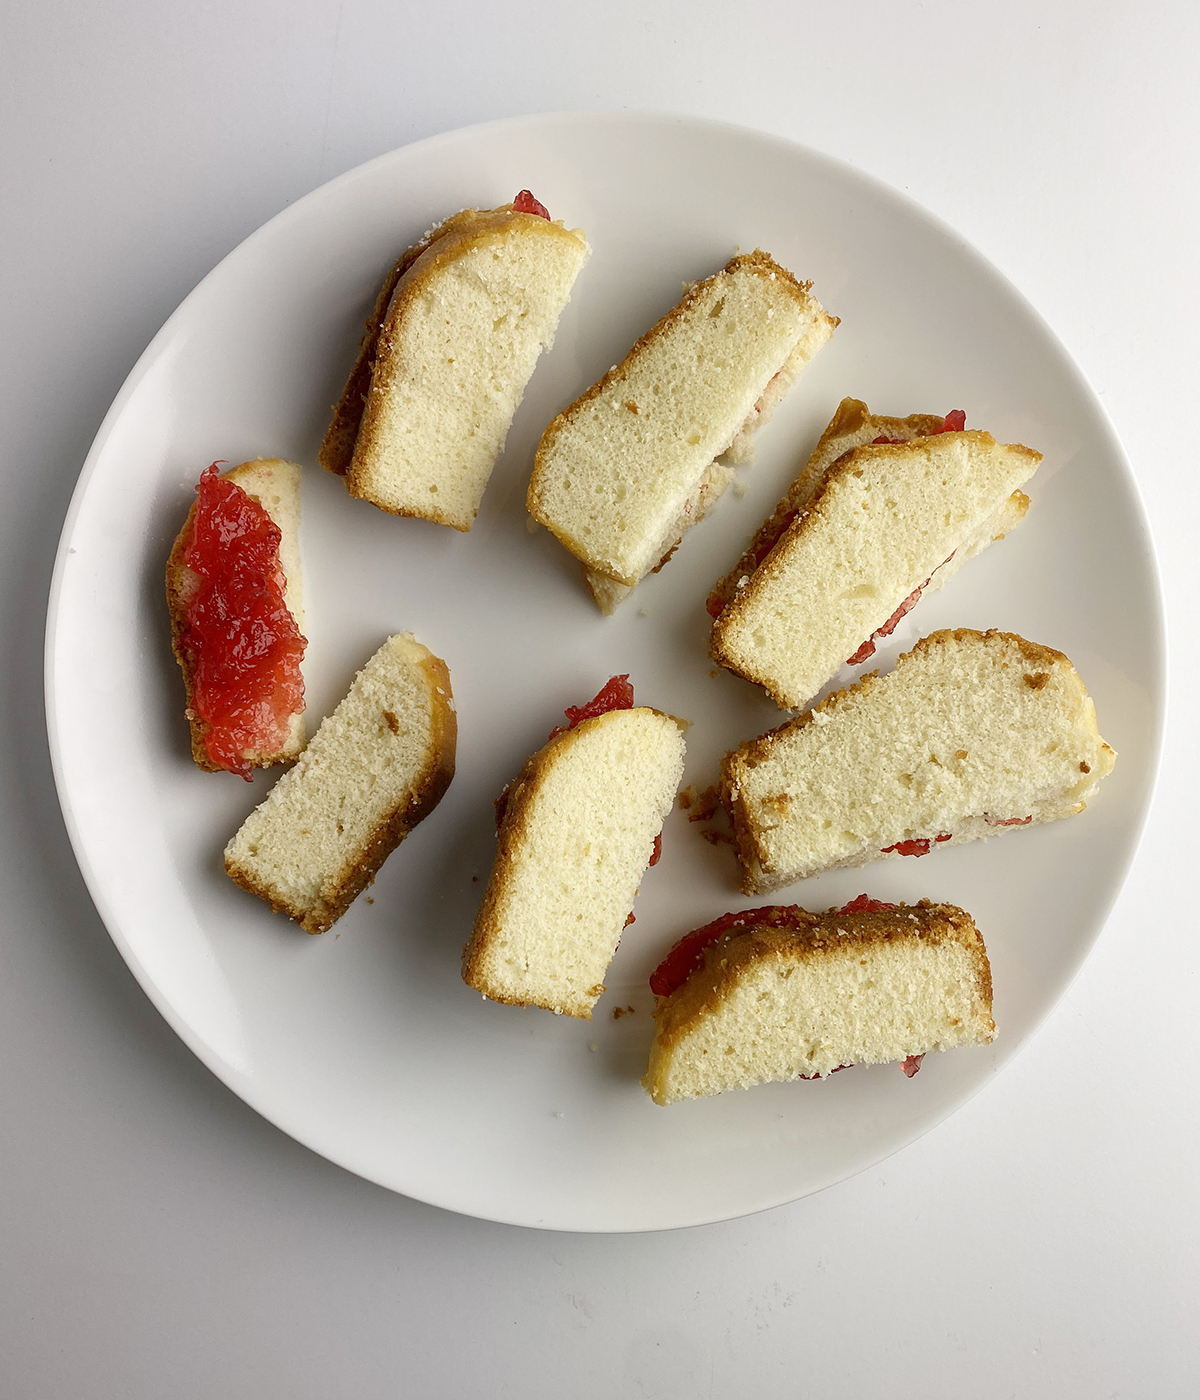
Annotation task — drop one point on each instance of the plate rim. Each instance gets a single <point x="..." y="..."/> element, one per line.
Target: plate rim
<point x="1156" y="683"/>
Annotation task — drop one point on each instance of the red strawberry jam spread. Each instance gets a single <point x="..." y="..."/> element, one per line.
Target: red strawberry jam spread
<point x="615" y="694"/>
<point x="1008" y="821"/>
<point x="654" y="859"/>
<point x="909" y="848"/>
<point x="919" y="847"/>
<point x="910" y="1064"/>
<point x="242" y="643"/>
<point x="526" y="204"/>
<point x="867" y="650"/>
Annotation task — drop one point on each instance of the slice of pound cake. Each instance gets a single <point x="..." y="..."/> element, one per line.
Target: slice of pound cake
<point x="633" y="463"/>
<point x="374" y="769"/>
<point x="885" y="510"/>
<point x="235" y="598"/>
<point x="780" y="994"/>
<point x="453" y="340"/>
<point x="972" y="734"/>
<point x="578" y="828"/>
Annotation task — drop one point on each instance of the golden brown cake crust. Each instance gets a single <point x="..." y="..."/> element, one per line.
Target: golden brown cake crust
<point x="728" y="958"/>
<point x="422" y="798"/>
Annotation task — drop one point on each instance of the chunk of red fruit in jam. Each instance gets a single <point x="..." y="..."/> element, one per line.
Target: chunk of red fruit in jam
<point x="526" y="204"/>
<point x="242" y="643"/>
<point x="657" y="853"/>
<point x="615" y="694"/>
<point x="909" y="848"/>
<point x="862" y="904"/>
<point x="910" y="1064"/>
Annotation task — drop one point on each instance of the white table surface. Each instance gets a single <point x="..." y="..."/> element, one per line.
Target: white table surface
<point x="160" y="1239"/>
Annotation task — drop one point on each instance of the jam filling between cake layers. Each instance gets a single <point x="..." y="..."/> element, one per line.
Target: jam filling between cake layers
<point x="922" y="845"/>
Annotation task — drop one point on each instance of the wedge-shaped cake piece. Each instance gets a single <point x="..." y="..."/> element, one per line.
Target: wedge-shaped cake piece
<point x="453" y="340"/>
<point x="866" y="529"/>
<point x="972" y="734"/>
<point x="780" y="994"/>
<point x="578" y="828"/>
<point x="374" y="769"/>
<point x="633" y="463"/>
<point x="235" y="597"/>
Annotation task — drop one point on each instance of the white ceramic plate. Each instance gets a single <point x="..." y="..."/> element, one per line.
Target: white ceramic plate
<point x="364" y="1043"/>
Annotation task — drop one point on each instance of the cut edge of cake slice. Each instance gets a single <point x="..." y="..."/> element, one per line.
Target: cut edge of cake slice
<point x="376" y="767"/>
